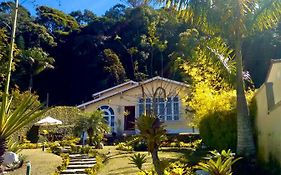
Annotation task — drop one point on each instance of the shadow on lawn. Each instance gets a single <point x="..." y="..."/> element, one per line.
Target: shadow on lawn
<point x="190" y="155"/>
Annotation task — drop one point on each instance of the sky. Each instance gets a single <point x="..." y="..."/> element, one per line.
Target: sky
<point x="99" y="7"/>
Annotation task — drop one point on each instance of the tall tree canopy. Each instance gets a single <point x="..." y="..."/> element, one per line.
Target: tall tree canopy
<point x="233" y="20"/>
<point x="89" y="51"/>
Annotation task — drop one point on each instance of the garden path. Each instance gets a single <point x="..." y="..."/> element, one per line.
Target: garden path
<point x="78" y="163"/>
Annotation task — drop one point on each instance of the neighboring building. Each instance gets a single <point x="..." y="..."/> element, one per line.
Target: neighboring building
<point x="268" y="121"/>
<point x="124" y="103"/>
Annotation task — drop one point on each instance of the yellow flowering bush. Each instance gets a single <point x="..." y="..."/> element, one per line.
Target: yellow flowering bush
<point x="213" y="99"/>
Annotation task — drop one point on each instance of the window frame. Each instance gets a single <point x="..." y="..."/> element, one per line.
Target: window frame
<point x="110" y="115"/>
<point x="172" y="101"/>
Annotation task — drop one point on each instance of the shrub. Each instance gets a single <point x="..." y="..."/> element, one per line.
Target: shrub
<point x="175" y="168"/>
<point x="123" y="146"/>
<point x="133" y="143"/>
<point x="178" y="168"/>
<point x="77" y="149"/>
<point x="193" y="145"/>
<point x="65" y="162"/>
<point x="182" y="137"/>
<point x="222" y="137"/>
<point x="33" y="134"/>
<point x="97" y="167"/>
<point x="55" y="147"/>
<point x="30" y="145"/>
<point x="174" y="144"/>
<point x="68" y="141"/>
<point x="140" y="146"/>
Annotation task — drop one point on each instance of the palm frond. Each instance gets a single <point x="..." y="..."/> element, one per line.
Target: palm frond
<point x="205" y="15"/>
<point x="217" y="48"/>
<point x="3" y="110"/>
<point x="266" y="16"/>
<point x="151" y="130"/>
<point x="22" y="115"/>
<point x="138" y="160"/>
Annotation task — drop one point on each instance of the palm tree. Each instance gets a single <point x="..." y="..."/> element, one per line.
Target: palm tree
<point x="38" y="61"/>
<point x="233" y="20"/>
<point x="153" y="132"/>
<point x="95" y="125"/>
<point x="13" y="120"/>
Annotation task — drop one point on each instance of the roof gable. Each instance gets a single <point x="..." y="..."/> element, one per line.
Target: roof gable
<point x="119" y="87"/>
<point x="134" y="85"/>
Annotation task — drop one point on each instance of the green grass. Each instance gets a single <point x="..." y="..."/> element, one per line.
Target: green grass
<point x="118" y="161"/>
<point x="42" y="163"/>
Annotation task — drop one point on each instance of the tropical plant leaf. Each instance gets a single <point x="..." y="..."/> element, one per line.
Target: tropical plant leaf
<point x="267" y="15"/>
<point x="219" y="164"/>
<point x="22" y="115"/>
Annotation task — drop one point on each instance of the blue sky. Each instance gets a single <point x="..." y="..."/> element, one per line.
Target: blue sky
<point x="97" y="6"/>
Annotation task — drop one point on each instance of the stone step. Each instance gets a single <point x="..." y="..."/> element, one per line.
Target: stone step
<point x="73" y="171"/>
<point x="82" y="162"/>
<point x="75" y="156"/>
<point x="80" y="166"/>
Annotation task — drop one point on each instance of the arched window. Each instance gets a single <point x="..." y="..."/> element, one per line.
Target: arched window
<point x="108" y="116"/>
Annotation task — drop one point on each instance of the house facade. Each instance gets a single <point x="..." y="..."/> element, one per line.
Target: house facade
<point x="268" y="119"/>
<point x="124" y="103"/>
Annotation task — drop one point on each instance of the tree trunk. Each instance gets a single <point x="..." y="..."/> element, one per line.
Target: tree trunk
<point x="156" y="162"/>
<point x="245" y="141"/>
<point x="3" y="147"/>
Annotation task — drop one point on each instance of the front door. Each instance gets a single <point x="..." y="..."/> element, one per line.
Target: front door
<point x="129" y="118"/>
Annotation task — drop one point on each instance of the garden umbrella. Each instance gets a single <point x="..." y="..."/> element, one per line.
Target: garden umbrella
<point x="48" y="121"/>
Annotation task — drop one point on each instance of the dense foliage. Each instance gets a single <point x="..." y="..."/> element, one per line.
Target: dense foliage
<point x="213" y="96"/>
<point x="95" y="126"/>
<point x="68" y="115"/>
<point x="71" y="56"/>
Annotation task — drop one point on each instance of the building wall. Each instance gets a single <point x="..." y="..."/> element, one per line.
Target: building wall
<point x="268" y="121"/>
<point x="130" y="98"/>
<point x="275" y="78"/>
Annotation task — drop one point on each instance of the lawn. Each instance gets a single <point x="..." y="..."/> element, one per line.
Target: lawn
<point x="118" y="161"/>
<point x="42" y="163"/>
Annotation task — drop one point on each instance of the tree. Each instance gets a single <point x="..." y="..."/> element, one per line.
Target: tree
<point x="153" y="132"/>
<point x="83" y="18"/>
<point x="3" y="52"/>
<point x="153" y="42"/>
<point x="233" y="20"/>
<point x="95" y="125"/>
<point x="113" y="67"/>
<point x="30" y="38"/>
<point x="117" y="12"/>
<point x="137" y="3"/>
<point x="6" y="10"/>
<point x="37" y="61"/>
<point x="13" y="120"/>
<point x="56" y="21"/>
